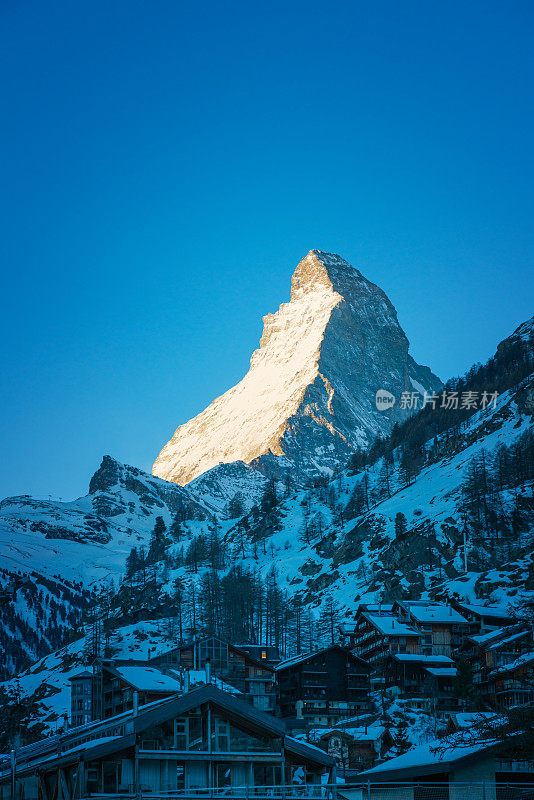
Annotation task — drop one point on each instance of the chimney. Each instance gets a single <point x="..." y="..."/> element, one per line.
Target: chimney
<point x="208" y="671"/>
<point x="186" y="680"/>
<point x="135" y="703"/>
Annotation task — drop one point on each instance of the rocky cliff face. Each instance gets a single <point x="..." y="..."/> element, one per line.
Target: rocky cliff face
<point x="309" y="396"/>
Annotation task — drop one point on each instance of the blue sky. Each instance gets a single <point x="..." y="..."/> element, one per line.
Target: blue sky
<point x="167" y="164"/>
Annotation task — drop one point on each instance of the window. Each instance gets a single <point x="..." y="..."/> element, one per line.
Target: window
<point x="229" y="738"/>
<point x="263" y="654"/>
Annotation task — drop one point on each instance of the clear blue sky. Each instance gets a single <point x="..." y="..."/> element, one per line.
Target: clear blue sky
<point x="165" y="165"/>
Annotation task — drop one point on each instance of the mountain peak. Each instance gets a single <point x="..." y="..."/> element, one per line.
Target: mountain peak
<point x="321" y="269"/>
<point x="309" y="394"/>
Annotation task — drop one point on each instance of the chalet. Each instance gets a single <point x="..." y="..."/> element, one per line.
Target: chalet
<point x="422" y="676"/>
<point x="498" y="665"/>
<point x="205" y="739"/>
<point x="356" y="748"/>
<point x="442" y="628"/>
<point x="348" y="631"/>
<point x="254" y="678"/>
<point x="378" y="632"/>
<point x="483" y="618"/>
<point x="512" y="684"/>
<point x="323" y="687"/>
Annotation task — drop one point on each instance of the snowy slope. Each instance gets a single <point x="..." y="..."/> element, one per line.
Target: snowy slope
<point x="88" y="539"/>
<point x="360" y="560"/>
<point x="45" y="684"/>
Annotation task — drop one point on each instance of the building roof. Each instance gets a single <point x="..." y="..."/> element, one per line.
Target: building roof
<point x="84" y="674"/>
<point x="302" y="658"/>
<point x="148" y="679"/>
<point x="87" y="737"/>
<point x="517" y="663"/>
<point x="371" y="733"/>
<point x="441" y="672"/>
<point x="425" y="612"/>
<point x="434" y="757"/>
<point x="466" y="719"/>
<point x="198" y="677"/>
<point x="389" y="625"/>
<point x="308" y="751"/>
<point x="494" y="639"/>
<point x="496" y="612"/>
<point x="508" y="639"/>
<point x="414" y="658"/>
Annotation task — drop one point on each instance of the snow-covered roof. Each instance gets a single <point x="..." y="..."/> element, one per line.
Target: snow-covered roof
<point x="431" y="757"/>
<point x="300" y="659"/>
<point x="371" y="733"/>
<point x="489" y="636"/>
<point x="485" y="611"/>
<point x="390" y="625"/>
<point x="434" y="612"/>
<point x="347" y="627"/>
<point x="466" y="720"/>
<point x="149" y="679"/>
<point x="414" y="658"/>
<point x="507" y="639"/>
<point x="520" y="661"/>
<point x="441" y="672"/>
<point x="500" y="636"/>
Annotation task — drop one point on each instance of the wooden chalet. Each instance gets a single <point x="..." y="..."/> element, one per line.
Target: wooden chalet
<point x="205" y="739"/>
<point x="323" y="687"/>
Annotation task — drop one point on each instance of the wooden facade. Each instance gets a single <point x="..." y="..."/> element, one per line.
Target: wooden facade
<point x="442" y="628"/>
<point x="377" y="632"/>
<point x="323" y="687"/>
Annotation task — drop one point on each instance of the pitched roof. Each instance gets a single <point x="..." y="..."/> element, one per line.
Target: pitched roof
<point x="496" y="612"/>
<point x="414" y="658"/>
<point x="371" y="733"/>
<point x="148" y="679"/>
<point x="517" y="663"/>
<point x="46" y="751"/>
<point x="493" y="639"/>
<point x="441" y="672"/>
<point x="434" y="757"/>
<point x="433" y="612"/>
<point x="389" y="625"/>
<point x="301" y="659"/>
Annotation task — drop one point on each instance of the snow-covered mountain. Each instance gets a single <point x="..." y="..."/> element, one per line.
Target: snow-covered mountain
<point x="69" y="549"/>
<point x="322" y="544"/>
<point x="309" y="395"/>
<point x="89" y="538"/>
